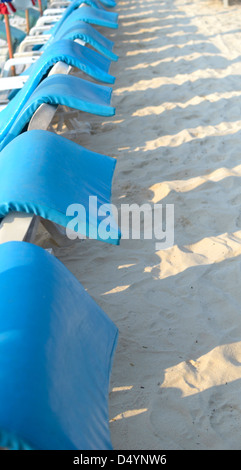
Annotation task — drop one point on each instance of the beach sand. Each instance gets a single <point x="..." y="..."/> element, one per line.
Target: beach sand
<point x="176" y="135"/>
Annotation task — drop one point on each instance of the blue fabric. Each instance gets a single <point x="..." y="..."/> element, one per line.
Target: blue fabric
<point x="56" y="354"/>
<point x="90" y="12"/>
<point x="9" y="441"/>
<point x="87" y="14"/>
<point x="43" y="173"/>
<point x="63" y="50"/>
<point x="90" y="62"/>
<point x="89" y="35"/>
<point x="34" y="15"/>
<point x="17" y="35"/>
<point x="108" y="3"/>
<point x="65" y="90"/>
<point x="93" y="16"/>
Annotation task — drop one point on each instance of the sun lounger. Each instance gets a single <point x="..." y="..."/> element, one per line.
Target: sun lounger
<point x="66" y="51"/>
<point x="87" y="59"/>
<point x="21" y="61"/>
<point x="17" y="35"/>
<point x="74" y="14"/>
<point x="33" y="14"/>
<point x="43" y="174"/>
<point x="108" y="3"/>
<point x="68" y="91"/>
<point x="56" y="355"/>
<point x="22" y="226"/>
<point x="93" y="16"/>
<point x="89" y="35"/>
<point x="82" y="34"/>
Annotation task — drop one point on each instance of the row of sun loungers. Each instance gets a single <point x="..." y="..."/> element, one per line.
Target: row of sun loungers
<point x="56" y="343"/>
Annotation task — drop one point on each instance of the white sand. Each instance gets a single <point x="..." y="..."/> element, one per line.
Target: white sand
<point x="176" y="379"/>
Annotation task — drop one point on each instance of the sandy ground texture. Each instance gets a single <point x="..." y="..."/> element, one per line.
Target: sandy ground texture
<point x="176" y="135"/>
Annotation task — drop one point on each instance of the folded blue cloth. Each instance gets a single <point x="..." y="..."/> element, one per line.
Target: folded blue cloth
<point x="90" y="14"/>
<point x="44" y="174"/>
<point x="56" y="354"/>
<point x="60" y="89"/>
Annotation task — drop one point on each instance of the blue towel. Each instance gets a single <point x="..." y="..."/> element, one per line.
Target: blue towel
<point x="94" y="16"/>
<point x="43" y="173"/>
<point x="89" y="35"/>
<point x="56" y="354"/>
<point x="108" y="3"/>
<point x="56" y="89"/>
<point x="65" y="90"/>
<point x="10" y="441"/>
<point x="89" y="13"/>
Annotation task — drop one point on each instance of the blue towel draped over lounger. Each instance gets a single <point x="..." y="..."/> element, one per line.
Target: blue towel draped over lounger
<point x="101" y="3"/>
<point x="65" y="90"/>
<point x="93" y="16"/>
<point x="89" y="14"/>
<point x="17" y="35"/>
<point x="91" y="62"/>
<point x="56" y="354"/>
<point x="43" y="173"/>
<point x="97" y="13"/>
<point x="89" y="35"/>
